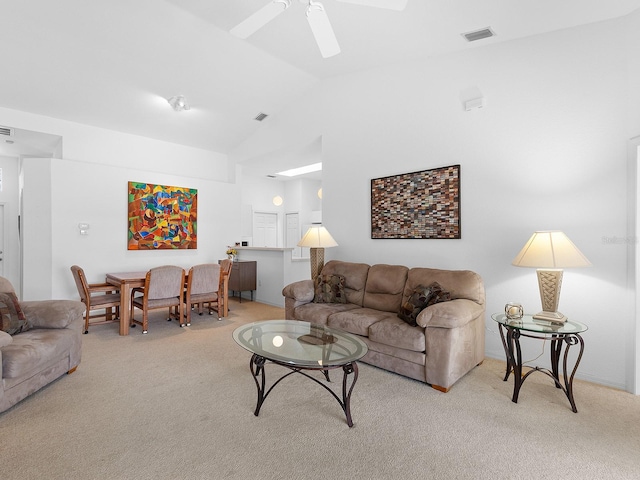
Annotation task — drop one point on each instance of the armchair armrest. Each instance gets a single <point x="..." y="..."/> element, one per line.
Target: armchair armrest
<point x="452" y="314"/>
<point x="301" y="292"/>
<point x="53" y="313"/>
<point x="102" y="287"/>
<point x="5" y="339"/>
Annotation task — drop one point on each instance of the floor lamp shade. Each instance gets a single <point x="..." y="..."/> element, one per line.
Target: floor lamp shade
<point x="317" y="239"/>
<point x="550" y="252"/>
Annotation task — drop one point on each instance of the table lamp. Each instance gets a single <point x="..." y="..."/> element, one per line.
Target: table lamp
<point x="317" y="238"/>
<point x="550" y="252"/>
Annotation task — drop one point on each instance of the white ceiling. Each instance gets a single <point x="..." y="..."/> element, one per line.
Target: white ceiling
<point x="112" y="63"/>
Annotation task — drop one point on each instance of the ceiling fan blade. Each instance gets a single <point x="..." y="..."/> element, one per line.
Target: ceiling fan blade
<point x="388" y="4"/>
<point x="259" y="19"/>
<point x="322" y="30"/>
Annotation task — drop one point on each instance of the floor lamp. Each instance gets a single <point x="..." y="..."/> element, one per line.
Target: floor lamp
<point x="317" y="239"/>
<point x="550" y="252"/>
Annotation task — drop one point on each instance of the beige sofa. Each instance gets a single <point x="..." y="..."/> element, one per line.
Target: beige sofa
<point x="448" y="340"/>
<point x="50" y="348"/>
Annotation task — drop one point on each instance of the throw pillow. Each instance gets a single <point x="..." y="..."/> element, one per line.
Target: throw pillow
<point x="329" y="289"/>
<point x="421" y="298"/>
<point x="12" y="319"/>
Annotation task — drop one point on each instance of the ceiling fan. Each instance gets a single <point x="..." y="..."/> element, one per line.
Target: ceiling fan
<point x="316" y="16"/>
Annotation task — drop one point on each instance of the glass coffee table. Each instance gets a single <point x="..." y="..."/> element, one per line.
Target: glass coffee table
<point x="302" y="347"/>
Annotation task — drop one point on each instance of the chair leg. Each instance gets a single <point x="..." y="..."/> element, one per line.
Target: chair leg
<point x="132" y="323"/>
<point x="86" y="321"/>
<point x="145" y="321"/>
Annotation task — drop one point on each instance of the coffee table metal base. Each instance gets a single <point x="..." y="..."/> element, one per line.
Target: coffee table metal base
<point x="350" y="371"/>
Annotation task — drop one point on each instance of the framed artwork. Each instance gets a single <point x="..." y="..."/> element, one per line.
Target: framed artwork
<point x="422" y="204"/>
<point x="162" y="217"/>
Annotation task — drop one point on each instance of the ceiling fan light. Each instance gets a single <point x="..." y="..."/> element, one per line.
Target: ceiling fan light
<point x="322" y="30"/>
<point x="179" y="103"/>
<point x="259" y="19"/>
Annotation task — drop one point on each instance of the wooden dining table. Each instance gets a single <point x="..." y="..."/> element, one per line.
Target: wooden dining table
<point x="125" y="281"/>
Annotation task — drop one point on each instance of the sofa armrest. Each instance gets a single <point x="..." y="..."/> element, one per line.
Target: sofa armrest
<point x="296" y="294"/>
<point x="5" y="339"/>
<point x="452" y="314"/>
<point x="53" y="313"/>
<point x="301" y="292"/>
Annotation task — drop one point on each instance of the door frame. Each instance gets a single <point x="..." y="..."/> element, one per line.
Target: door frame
<point x="633" y="251"/>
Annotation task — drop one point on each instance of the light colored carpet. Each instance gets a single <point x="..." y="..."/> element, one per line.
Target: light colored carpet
<point x="178" y="404"/>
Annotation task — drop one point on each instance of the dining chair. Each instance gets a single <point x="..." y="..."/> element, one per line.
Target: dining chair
<point x="163" y="288"/>
<point x="203" y="287"/>
<point x="97" y="296"/>
<point x="225" y="272"/>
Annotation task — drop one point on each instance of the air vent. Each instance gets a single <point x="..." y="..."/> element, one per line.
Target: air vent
<point x="6" y="131"/>
<point x="261" y="116"/>
<point x="478" y="34"/>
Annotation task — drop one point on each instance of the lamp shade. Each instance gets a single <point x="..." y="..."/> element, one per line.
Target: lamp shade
<point x="550" y="249"/>
<point x="317" y="237"/>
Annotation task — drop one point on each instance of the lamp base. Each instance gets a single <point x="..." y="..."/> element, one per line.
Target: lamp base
<point x="317" y="261"/>
<point x="555" y="317"/>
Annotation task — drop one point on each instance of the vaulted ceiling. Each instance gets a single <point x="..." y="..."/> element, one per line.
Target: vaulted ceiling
<point x="113" y="63"/>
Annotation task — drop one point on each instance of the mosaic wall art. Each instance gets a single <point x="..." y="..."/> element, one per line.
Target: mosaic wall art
<point x="422" y="204"/>
<point x="162" y="217"/>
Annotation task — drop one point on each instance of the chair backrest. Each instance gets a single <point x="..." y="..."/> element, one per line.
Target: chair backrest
<point x="204" y="278"/>
<point x="164" y="282"/>
<point x="225" y="267"/>
<point x="81" y="282"/>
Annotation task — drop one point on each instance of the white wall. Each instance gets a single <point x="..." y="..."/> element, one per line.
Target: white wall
<point x="298" y="196"/>
<point x="548" y="151"/>
<point x="10" y="200"/>
<point x="90" y="185"/>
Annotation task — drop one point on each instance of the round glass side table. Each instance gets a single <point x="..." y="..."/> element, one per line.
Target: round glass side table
<point x="562" y="336"/>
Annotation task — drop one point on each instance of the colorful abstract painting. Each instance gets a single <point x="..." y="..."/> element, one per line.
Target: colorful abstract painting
<point x="162" y="217"/>
<point x="422" y="204"/>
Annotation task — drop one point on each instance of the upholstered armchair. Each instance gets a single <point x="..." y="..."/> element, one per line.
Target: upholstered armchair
<point x="163" y="288"/>
<point x="48" y="346"/>
<point x="203" y="287"/>
<point x="97" y="296"/>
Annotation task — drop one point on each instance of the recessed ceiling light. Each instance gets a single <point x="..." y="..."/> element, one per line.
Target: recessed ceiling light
<point x="179" y="103"/>
<point x="316" y="167"/>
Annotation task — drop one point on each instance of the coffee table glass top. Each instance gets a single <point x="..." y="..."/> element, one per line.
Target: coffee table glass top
<point x="300" y="343"/>
<point x="530" y="324"/>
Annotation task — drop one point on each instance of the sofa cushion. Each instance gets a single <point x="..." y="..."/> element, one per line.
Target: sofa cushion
<point x="385" y="286"/>
<point x="329" y="289"/>
<point x="460" y="283"/>
<point x="355" y="278"/>
<point x="357" y="320"/>
<point x="397" y="333"/>
<point x="12" y="320"/>
<point x="421" y="298"/>
<point x="34" y="350"/>
<point x="5" y="339"/>
<point x="320" y="312"/>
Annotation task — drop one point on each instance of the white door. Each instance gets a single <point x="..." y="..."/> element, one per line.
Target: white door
<point x="292" y="234"/>
<point x="633" y="243"/>
<point x="265" y="229"/>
